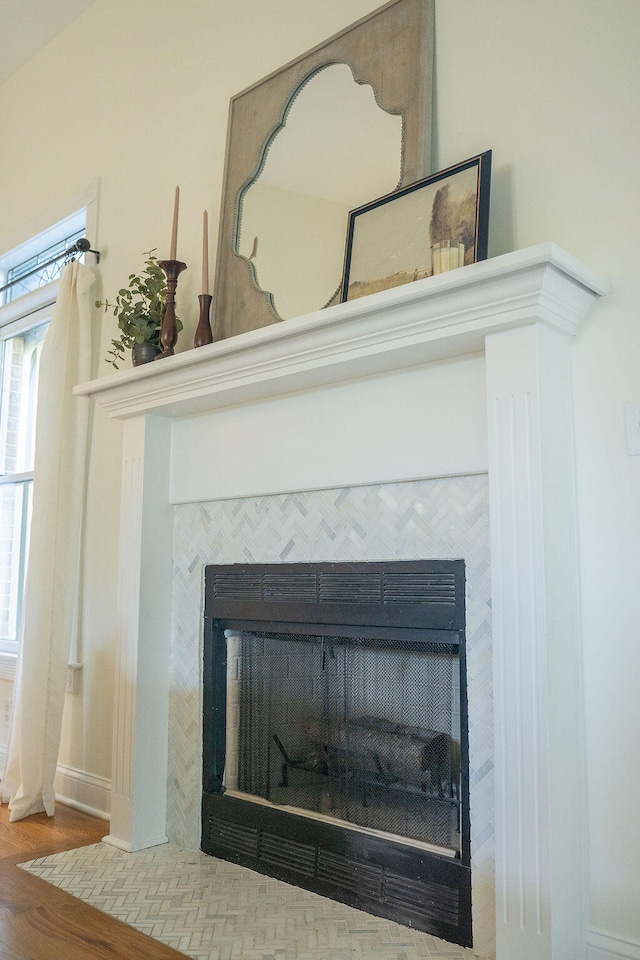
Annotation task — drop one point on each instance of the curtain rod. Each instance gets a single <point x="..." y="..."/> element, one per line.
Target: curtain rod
<point x="80" y="246"/>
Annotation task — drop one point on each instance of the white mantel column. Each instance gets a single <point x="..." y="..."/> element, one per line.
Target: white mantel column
<point x="141" y="703"/>
<point x="539" y="762"/>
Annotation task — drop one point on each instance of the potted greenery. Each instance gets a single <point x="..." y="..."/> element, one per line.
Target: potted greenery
<point x="140" y="309"/>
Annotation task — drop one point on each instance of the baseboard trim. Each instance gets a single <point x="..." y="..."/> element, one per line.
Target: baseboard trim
<point x="83" y="791"/>
<point x="604" y="946"/>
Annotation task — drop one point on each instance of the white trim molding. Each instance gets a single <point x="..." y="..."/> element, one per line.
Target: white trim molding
<point x="84" y="791"/>
<point x="77" y="788"/>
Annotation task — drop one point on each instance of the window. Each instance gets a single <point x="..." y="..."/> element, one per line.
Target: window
<point x="24" y="319"/>
<point x="40" y="269"/>
<point x="20" y="364"/>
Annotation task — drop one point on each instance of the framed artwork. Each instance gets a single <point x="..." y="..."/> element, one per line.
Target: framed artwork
<point x="436" y="224"/>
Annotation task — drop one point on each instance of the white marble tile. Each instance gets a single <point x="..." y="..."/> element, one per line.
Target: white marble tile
<point x="209" y="909"/>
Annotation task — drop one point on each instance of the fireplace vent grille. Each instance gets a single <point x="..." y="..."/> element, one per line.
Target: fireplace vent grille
<point x="233" y="836"/>
<point x="238" y="586"/>
<point x="426" y="904"/>
<point x="420" y="588"/>
<point x="288" y="854"/>
<point x="337" y="588"/>
<point x="296" y="588"/>
<point x="439" y="901"/>
<point x="400" y="593"/>
<point x="355" y="588"/>
<point x="359" y="878"/>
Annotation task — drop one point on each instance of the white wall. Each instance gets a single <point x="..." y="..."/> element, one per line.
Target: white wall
<point x="137" y="95"/>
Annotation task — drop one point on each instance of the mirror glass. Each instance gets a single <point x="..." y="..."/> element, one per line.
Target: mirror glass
<point x="336" y="150"/>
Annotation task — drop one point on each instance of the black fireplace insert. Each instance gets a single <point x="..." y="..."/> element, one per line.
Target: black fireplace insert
<point x="335" y="733"/>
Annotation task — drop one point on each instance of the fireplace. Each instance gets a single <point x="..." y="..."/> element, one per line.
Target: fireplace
<point x="335" y="733"/>
<point x="489" y="345"/>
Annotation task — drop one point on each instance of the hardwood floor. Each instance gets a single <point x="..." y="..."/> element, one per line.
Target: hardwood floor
<point x="40" y="922"/>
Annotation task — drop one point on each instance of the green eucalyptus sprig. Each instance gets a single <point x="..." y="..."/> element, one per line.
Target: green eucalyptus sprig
<point x="140" y="309"/>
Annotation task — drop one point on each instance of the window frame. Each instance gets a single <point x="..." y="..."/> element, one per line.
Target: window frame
<point x="35" y="308"/>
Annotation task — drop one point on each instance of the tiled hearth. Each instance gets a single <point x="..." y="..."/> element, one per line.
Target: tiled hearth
<point x="446" y="518"/>
<point x="209" y="909"/>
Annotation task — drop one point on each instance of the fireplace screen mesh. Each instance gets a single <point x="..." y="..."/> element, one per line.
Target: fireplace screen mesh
<point x="357" y="730"/>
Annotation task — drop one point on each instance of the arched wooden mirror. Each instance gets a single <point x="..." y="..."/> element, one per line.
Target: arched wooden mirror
<point x="345" y="123"/>
<point x="292" y="217"/>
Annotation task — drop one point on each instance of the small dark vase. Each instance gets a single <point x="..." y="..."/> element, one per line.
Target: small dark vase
<point x="144" y="352"/>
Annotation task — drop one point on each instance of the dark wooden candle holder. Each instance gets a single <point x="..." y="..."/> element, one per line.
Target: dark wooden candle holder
<point x="169" y="329"/>
<point x="203" y="334"/>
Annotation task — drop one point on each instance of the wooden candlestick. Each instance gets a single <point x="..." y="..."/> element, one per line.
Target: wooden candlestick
<point x="169" y="329"/>
<point x="203" y="333"/>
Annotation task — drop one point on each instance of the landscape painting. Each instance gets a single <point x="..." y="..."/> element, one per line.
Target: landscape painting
<point x="436" y="224"/>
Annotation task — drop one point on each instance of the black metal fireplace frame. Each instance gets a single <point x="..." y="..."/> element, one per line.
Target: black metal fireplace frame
<point x="410" y="601"/>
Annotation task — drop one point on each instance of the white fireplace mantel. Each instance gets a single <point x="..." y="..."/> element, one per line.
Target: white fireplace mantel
<point x="520" y="311"/>
<point x="438" y="318"/>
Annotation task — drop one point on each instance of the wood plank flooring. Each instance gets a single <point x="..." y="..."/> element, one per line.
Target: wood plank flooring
<point x="40" y="922"/>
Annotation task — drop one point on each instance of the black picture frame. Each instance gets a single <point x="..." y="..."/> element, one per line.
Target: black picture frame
<point x="389" y="241"/>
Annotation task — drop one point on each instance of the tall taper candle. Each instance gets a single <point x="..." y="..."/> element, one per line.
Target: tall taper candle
<point x="205" y="253"/>
<point x="174" y="229"/>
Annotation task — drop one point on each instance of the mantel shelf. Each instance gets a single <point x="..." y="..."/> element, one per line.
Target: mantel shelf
<point x="432" y="319"/>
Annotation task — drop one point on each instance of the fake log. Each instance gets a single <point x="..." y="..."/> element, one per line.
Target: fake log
<point x="389" y="753"/>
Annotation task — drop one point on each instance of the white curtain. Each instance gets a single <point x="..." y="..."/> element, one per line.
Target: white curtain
<point x="52" y="589"/>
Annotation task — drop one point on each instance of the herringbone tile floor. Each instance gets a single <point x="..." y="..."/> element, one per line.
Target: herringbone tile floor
<point x="213" y="910"/>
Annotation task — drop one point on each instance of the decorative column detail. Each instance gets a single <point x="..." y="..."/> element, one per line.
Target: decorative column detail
<point x="536" y="643"/>
<point x="140" y="725"/>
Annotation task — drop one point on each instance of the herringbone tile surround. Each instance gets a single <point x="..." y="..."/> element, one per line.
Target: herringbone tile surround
<point x="213" y="910"/>
<point x="445" y="518"/>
